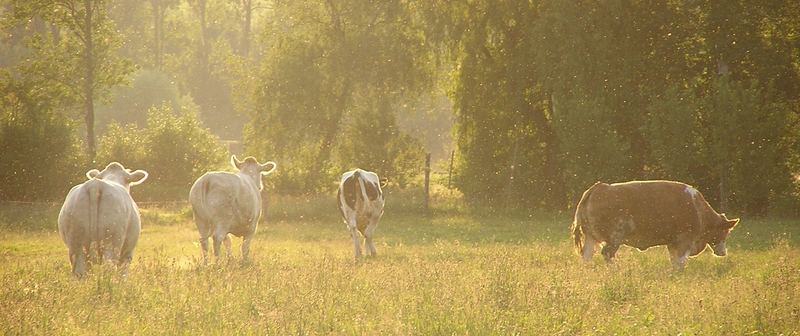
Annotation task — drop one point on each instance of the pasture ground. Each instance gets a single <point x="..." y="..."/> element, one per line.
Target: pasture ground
<point x="448" y="273"/>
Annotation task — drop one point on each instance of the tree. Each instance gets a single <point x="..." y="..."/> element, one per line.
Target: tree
<point x="158" y="12"/>
<point x="175" y="148"/>
<point x="78" y="56"/>
<point x="327" y="60"/>
<point x="41" y="156"/>
<point x="504" y="132"/>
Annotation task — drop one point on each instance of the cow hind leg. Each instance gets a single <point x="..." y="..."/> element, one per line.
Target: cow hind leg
<point x="356" y="242"/>
<point x="111" y="250"/>
<point x="678" y="256"/>
<point x="204" y="248"/>
<point x="125" y="257"/>
<point x="615" y="240"/>
<point x="227" y="243"/>
<point x="246" y="247"/>
<point x="205" y="229"/>
<point x="77" y="257"/>
<point x="218" y="238"/>
<point x="589" y="245"/>
<point x="369" y="244"/>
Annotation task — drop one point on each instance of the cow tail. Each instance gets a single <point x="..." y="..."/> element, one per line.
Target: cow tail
<point x="580" y="219"/>
<point x="95" y="192"/>
<point x="200" y="196"/>
<point x="359" y="190"/>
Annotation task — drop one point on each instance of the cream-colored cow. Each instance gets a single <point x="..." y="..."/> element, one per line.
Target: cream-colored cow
<point x="101" y="211"/>
<point x="226" y="203"/>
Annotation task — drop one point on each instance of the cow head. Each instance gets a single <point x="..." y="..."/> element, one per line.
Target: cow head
<point x="250" y="167"/>
<point x="115" y="172"/>
<point x="717" y="232"/>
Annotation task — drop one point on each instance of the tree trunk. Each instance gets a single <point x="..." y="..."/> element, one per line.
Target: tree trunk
<point x="556" y="196"/>
<point x="723" y="189"/>
<point x="203" y="35"/>
<point x="337" y="112"/>
<point x="88" y="89"/>
<point x="248" y="18"/>
<point x="328" y="139"/>
<point x="158" y="33"/>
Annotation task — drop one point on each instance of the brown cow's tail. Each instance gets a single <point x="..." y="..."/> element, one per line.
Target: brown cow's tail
<point x="577" y="234"/>
<point x="580" y="219"/>
<point x="95" y="192"/>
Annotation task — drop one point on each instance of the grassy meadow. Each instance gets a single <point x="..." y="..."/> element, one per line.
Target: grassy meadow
<point x="451" y="272"/>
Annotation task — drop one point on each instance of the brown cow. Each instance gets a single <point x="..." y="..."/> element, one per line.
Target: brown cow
<point x="643" y="214"/>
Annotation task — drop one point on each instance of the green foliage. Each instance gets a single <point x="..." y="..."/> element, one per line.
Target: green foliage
<point x="675" y="138"/>
<point x="574" y="93"/>
<point x="591" y="149"/>
<point x="41" y="156"/>
<point x="125" y="144"/>
<point x="75" y="57"/>
<point x="749" y="134"/>
<point x="174" y="149"/>
<point x="130" y="103"/>
<point x="507" y="146"/>
<point x="329" y="86"/>
<point x="722" y="140"/>
<point x="375" y="143"/>
<point x="546" y="96"/>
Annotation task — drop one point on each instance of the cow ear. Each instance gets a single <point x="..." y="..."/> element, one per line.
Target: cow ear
<point x="268" y="168"/>
<point x="92" y="173"/>
<point x="235" y="162"/>
<point x="384" y="181"/>
<point x="137" y="177"/>
<point x="731" y="223"/>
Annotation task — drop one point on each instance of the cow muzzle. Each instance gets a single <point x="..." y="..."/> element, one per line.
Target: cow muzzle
<point x="719" y="249"/>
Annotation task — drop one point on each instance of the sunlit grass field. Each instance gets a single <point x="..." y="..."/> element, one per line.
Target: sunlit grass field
<point x="449" y="272"/>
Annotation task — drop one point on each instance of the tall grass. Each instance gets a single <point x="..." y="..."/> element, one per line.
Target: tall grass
<point x="439" y="273"/>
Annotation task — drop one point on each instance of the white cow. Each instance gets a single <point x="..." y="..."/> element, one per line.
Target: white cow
<point x="101" y="211"/>
<point x="361" y="204"/>
<point x="225" y="203"/>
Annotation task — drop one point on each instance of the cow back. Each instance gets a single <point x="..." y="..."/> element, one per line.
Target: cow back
<point x="114" y="211"/>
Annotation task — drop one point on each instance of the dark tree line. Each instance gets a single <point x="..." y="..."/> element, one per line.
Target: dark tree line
<point x="548" y="96"/>
<point x="552" y="96"/>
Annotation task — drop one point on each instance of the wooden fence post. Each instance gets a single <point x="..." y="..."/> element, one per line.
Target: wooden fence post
<point x="427" y="180"/>
<point x="450" y="170"/>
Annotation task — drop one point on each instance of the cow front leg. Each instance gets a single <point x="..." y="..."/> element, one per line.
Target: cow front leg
<point x="609" y="251"/>
<point x="369" y="244"/>
<point x="679" y="256"/>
